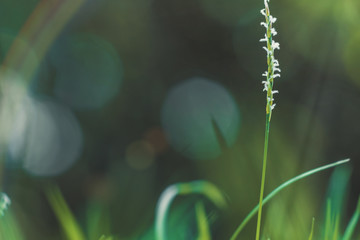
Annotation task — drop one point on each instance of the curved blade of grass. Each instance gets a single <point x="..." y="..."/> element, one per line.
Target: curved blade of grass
<point x="196" y="187"/>
<point x="312" y="229"/>
<point x="281" y="187"/>
<point x="64" y="215"/>
<point x="352" y="224"/>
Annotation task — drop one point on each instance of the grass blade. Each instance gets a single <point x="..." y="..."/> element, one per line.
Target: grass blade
<point x="64" y="215"/>
<point x="336" y="227"/>
<point x="328" y="221"/>
<point x="281" y="187"/>
<point x="203" y="225"/>
<point x="196" y="187"/>
<point x="312" y="229"/>
<point x="352" y="224"/>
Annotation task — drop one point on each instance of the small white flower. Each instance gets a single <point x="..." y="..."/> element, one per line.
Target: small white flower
<point x="276" y="62"/>
<point x="273" y="32"/>
<point x="266" y="4"/>
<point x="275" y="45"/>
<point x="276" y="69"/>
<point x="274" y="91"/>
<point x="265" y="39"/>
<point x="272" y="106"/>
<point x="276" y="75"/>
<point x="267" y="50"/>
<point x="270" y="99"/>
<point x="263" y="12"/>
<point x="266" y="85"/>
<point x="272" y="19"/>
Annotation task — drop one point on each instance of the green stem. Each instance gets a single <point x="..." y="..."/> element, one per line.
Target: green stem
<point x="281" y="187"/>
<point x="267" y="130"/>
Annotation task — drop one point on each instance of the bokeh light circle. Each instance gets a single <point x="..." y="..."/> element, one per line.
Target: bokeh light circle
<point x="47" y="139"/>
<point x="200" y="117"/>
<point x="88" y="70"/>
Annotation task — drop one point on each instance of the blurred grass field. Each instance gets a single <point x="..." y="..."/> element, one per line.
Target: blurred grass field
<point x="104" y="104"/>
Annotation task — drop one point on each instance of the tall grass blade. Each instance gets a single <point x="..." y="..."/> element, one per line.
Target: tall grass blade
<point x="352" y="224"/>
<point x="328" y="220"/>
<point x="281" y="187"/>
<point x="336" y="228"/>
<point x="67" y="220"/>
<point x="338" y="188"/>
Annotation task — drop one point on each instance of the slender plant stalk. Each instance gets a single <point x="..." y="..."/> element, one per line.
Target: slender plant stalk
<point x="271" y="73"/>
<point x="281" y="187"/>
<point x="267" y="128"/>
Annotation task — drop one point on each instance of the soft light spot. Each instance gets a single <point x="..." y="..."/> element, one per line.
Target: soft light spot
<point x="200" y="117"/>
<point x="88" y="71"/>
<point x="50" y="141"/>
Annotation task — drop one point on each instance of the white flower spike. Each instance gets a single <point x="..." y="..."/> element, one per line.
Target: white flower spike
<point x="273" y="64"/>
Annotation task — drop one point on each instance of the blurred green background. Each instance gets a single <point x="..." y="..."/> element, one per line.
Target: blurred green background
<point x="134" y="95"/>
